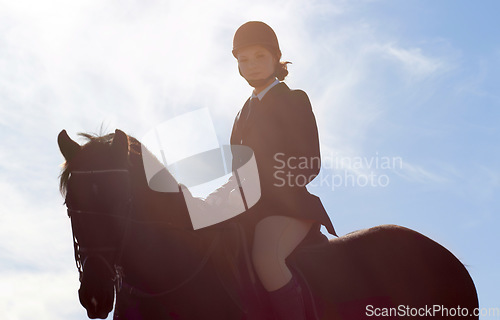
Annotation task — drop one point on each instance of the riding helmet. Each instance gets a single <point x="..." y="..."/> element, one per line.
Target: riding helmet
<point x="255" y="32"/>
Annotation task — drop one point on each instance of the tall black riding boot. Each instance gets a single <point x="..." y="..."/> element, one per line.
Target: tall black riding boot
<point x="287" y="301"/>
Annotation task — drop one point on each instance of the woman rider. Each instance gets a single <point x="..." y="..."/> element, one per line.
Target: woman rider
<point x="278" y="124"/>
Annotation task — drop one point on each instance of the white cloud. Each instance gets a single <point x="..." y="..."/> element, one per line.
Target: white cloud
<point x="28" y="295"/>
<point x="38" y="276"/>
<point x="417" y="173"/>
<point x="35" y="230"/>
<point x="413" y="60"/>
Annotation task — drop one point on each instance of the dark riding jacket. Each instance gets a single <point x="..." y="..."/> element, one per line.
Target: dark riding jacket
<point x="281" y="130"/>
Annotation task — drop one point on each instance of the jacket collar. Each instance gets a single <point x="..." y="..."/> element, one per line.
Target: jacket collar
<point x="275" y="91"/>
<point x="263" y="92"/>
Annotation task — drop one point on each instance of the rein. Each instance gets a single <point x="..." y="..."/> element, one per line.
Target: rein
<point x="99" y="252"/>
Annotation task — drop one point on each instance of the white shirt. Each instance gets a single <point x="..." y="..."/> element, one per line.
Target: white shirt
<point x="263" y="92"/>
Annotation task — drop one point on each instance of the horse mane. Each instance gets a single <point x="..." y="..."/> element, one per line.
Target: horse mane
<point x="93" y="139"/>
<point x="95" y="144"/>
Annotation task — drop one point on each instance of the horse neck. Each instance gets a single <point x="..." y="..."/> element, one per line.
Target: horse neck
<point x="153" y="206"/>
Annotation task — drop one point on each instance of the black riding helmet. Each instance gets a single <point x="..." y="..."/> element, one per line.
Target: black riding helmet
<point x="256" y="33"/>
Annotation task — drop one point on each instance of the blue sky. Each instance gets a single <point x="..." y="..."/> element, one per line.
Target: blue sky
<point x="414" y="80"/>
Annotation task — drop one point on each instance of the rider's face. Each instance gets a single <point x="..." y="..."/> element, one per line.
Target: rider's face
<point x="255" y="62"/>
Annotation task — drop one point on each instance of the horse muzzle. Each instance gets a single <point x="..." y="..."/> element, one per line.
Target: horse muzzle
<point x="97" y="307"/>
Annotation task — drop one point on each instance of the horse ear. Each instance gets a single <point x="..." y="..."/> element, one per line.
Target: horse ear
<point x="120" y="144"/>
<point x="67" y="146"/>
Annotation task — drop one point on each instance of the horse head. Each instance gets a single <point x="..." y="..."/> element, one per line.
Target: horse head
<point x="95" y="180"/>
<point x="125" y="227"/>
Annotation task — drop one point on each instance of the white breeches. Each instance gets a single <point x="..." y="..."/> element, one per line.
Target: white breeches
<point x="275" y="239"/>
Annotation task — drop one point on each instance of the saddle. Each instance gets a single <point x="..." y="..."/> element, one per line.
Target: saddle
<point x="233" y="265"/>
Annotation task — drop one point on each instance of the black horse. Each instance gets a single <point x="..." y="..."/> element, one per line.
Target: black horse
<point x="140" y="244"/>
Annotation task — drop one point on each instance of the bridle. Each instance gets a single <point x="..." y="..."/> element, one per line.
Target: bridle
<point x="99" y="252"/>
<point x="115" y="267"/>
